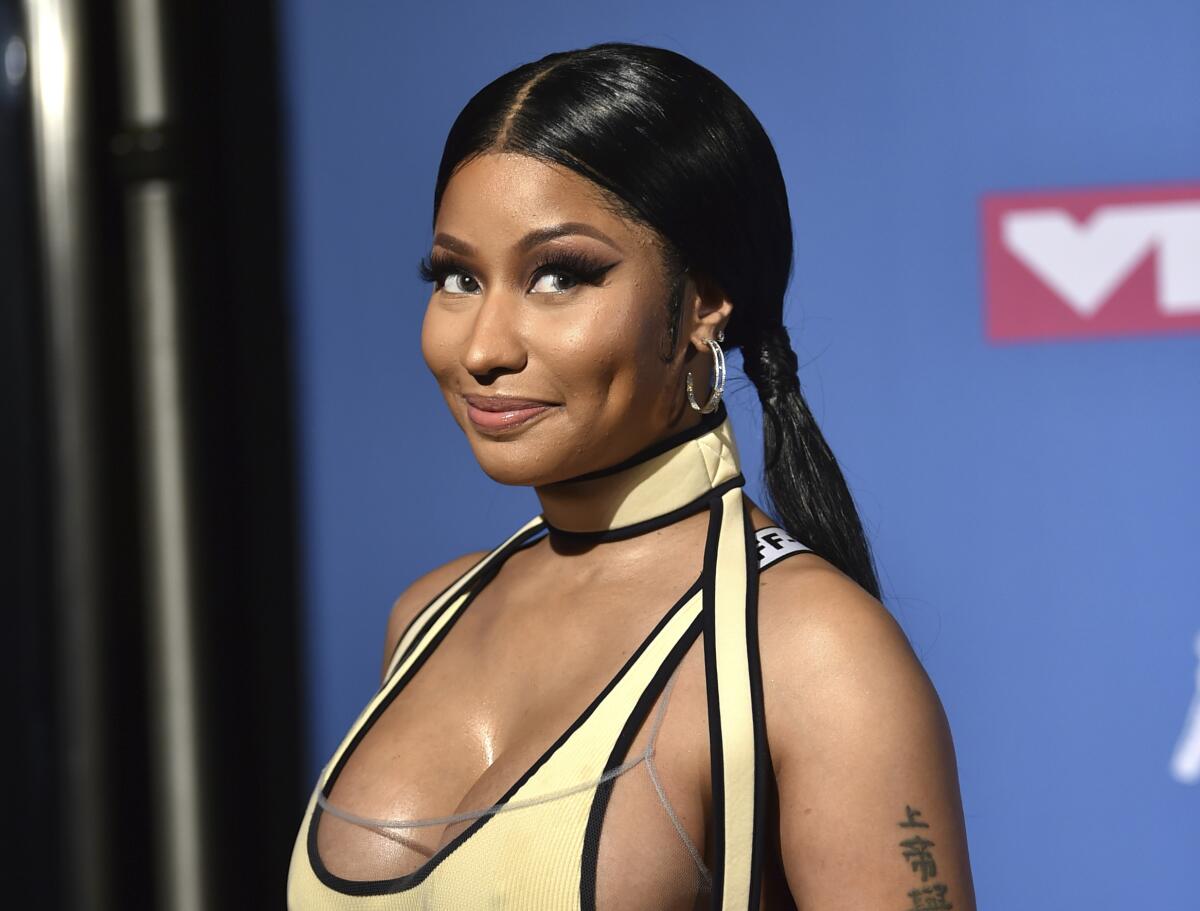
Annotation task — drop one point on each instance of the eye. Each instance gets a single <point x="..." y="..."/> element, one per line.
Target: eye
<point x="565" y="282"/>
<point x="447" y="274"/>
<point x="459" y="283"/>
<point x="564" y="270"/>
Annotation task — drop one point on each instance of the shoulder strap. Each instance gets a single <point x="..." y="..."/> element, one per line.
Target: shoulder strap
<point x="730" y="659"/>
<point x="422" y="621"/>
<point x="734" y="557"/>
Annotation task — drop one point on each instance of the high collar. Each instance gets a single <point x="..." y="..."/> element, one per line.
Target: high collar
<point x="661" y="484"/>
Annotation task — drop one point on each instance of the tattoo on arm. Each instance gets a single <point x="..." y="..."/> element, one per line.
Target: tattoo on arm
<point x="915" y="850"/>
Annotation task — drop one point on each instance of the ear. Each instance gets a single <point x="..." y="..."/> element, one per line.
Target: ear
<point x="706" y="311"/>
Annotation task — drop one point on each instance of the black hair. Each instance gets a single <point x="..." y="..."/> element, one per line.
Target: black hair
<point x="677" y="150"/>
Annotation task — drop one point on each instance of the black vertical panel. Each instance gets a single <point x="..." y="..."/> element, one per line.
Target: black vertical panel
<point x="132" y="878"/>
<point x="31" y="756"/>
<point x="225" y="150"/>
<point x="240" y="389"/>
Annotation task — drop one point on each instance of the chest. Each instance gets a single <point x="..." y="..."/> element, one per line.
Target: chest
<point x="513" y="683"/>
<point x="550" y="747"/>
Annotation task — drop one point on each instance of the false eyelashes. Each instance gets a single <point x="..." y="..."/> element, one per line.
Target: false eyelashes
<point x="581" y="267"/>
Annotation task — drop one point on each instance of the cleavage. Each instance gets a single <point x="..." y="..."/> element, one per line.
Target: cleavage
<point x="518" y="666"/>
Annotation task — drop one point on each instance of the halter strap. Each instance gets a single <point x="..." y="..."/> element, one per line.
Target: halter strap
<point x="663" y="483"/>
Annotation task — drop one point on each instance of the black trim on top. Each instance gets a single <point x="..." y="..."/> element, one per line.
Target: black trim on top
<point x="476" y="586"/>
<point x="456" y="583"/>
<point x="591" y="838"/>
<point x="411" y="880"/>
<point x="521" y="541"/>
<point x="761" y="756"/>
<point x="716" y="835"/>
<point x="707" y="422"/>
<point x="655" y="522"/>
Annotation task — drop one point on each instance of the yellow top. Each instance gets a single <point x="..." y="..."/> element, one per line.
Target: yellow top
<point x="536" y="848"/>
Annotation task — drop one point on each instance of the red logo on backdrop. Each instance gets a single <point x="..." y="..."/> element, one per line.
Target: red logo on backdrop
<point x="1085" y="263"/>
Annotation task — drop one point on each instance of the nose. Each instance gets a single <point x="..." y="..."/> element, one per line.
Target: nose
<point x="494" y="345"/>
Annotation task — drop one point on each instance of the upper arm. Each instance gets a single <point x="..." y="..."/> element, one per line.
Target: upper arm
<point x="870" y="813"/>
<point x="414" y="599"/>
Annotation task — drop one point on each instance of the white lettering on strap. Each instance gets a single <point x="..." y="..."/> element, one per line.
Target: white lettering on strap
<point x="774" y="544"/>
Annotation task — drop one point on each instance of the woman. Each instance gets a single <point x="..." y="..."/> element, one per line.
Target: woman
<point x="653" y="695"/>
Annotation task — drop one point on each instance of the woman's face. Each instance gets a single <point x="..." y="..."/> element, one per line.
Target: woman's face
<point x="547" y="323"/>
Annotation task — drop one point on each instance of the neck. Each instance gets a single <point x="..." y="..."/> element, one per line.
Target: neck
<point x="667" y="481"/>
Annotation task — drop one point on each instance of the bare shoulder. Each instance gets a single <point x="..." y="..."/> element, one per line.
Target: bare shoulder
<point x="815" y="607"/>
<point x="869" y="801"/>
<point x="830" y="650"/>
<point x="414" y="598"/>
<point x="819" y="629"/>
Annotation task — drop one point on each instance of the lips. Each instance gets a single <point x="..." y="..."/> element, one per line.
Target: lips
<point x="491" y="414"/>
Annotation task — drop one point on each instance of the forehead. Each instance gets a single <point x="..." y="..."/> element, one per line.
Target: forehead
<point x="498" y="197"/>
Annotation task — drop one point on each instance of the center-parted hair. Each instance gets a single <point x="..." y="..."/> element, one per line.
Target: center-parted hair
<point x="677" y="150"/>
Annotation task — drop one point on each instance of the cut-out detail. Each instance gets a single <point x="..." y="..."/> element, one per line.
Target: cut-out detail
<point x="705" y="876"/>
<point x="646" y="755"/>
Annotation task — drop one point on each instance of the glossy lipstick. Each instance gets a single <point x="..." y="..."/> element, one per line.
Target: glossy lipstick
<point x="494" y="414"/>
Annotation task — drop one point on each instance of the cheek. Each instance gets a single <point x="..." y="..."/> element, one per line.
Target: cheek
<point x="582" y="352"/>
<point x="603" y="353"/>
<point x="437" y="341"/>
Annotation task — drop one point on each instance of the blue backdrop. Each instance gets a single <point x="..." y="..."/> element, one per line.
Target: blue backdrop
<point x="1035" y="507"/>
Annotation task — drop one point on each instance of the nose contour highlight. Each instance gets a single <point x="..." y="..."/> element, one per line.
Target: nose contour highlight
<point x="494" y="343"/>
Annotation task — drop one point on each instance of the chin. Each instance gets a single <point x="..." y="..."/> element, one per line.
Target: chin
<point x="512" y="462"/>
<point x="526" y="456"/>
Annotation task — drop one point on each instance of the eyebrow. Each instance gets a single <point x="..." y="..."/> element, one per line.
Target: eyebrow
<point x="532" y="239"/>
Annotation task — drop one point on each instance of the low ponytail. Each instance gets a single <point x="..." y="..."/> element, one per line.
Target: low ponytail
<point x="808" y="493"/>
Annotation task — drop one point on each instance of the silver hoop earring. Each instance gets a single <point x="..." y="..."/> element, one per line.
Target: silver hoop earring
<point x="718" y="377"/>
